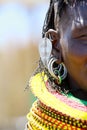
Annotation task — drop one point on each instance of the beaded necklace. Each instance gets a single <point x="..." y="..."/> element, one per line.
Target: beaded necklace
<point x="55" y="111"/>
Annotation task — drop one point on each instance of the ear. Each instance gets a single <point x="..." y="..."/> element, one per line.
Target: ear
<point x="54" y="36"/>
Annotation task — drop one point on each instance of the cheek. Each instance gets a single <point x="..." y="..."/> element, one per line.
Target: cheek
<point x="74" y="51"/>
<point x="73" y="57"/>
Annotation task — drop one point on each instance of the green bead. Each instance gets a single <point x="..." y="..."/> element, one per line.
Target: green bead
<point x="59" y="80"/>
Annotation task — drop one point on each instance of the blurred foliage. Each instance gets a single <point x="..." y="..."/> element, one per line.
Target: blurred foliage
<point x="16" y="67"/>
<point x="18" y="60"/>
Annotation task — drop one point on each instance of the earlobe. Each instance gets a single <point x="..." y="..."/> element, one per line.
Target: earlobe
<point x="54" y="37"/>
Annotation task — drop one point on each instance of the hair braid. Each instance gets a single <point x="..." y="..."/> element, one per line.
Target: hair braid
<point x="49" y="19"/>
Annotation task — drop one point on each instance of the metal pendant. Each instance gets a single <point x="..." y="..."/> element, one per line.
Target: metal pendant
<point x="45" y="49"/>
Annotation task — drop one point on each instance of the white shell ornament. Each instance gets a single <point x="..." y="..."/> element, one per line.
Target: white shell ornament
<point x="45" y="48"/>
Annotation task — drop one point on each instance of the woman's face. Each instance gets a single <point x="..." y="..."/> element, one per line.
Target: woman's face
<point x="74" y="45"/>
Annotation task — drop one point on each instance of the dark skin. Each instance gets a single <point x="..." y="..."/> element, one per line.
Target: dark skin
<point x="73" y="48"/>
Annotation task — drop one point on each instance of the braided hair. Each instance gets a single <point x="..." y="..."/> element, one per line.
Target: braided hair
<point x="49" y="20"/>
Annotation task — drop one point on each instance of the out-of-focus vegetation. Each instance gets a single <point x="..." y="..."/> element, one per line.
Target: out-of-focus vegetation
<point x="16" y="68"/>
<point x="18" y="60"/>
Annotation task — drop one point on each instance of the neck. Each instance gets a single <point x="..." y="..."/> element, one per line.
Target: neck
<point x="76" y="90"/>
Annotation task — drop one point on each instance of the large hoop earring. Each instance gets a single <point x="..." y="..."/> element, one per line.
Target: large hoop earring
<point x="58" y="71"/>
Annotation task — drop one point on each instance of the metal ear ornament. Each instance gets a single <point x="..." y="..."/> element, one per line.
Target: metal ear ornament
<point x="45" y="48"/>
<point x="58" y="71"/>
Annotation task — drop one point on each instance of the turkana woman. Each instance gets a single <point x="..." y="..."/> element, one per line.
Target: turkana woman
<point x="60" y="83"/>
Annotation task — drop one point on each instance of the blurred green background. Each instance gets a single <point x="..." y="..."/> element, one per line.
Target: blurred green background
<point x="21" y="24"/>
